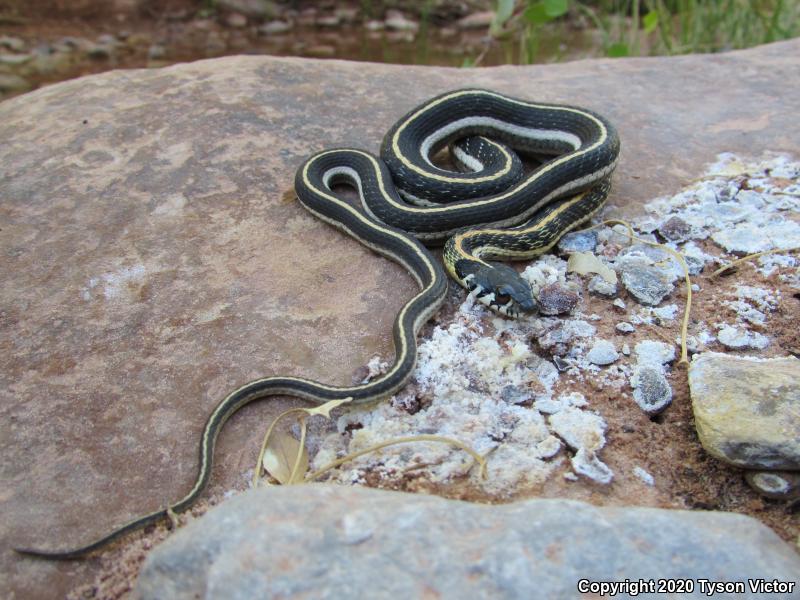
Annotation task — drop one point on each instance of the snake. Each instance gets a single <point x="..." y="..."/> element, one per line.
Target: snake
<point x="486" y="205"/>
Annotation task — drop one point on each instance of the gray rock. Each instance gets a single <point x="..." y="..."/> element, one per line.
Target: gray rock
<point x="587" y="464"/>
<point x="47" y="60"/>
<point x="156" y="52"/>
<point x="275" y="28"/>
<point x="654" y="354"/>
<point x="602" y="353"/>
<point x="598" y="285"/>
<point x="579" y="241"/>
<point x="374" y="25"/>
<point x="14" y="44"/>
<point x="100" y="51"/>
<point x="257" y="9"/>
<point x="625" y="327"/>
<point x="215" y="44"/>
<point x="327" y="541"/>
<point x="236" y="20"/>
<point x="329" y="21"/>
<point x="651" y="390"/>
<point x="397" y="21"/>
<point x="556" y="299"/>
<point x="477" y="20"/>
<point x="563" y="333"/>
<point x="781" y="485"/>
<point x="580" y="429"/>
<point x="73" y="42"/>
<point x="514" y="394"/>
<point x="639" y="251"/>
<point x="740" y="339"/>
<point x="648" y="284"/>
<point x="745" y="238"/>
<point x="745" y="409"/>
<point x="675" y="229"/>
<point x="107" y="39"/>
<point x="694" y="264"/>
<point x="348" y="14"/>
<point x="665" y="313"/>
<point x="13" y="84"/>
<point x="14" y="60"/>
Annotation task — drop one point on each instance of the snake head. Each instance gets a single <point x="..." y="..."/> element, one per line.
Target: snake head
<point x="501" y="288"/>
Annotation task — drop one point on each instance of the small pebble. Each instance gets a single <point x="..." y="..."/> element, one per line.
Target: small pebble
<point x="563" y="334"/>
<point x="620" y="236"/>
<point x="625" y="327"/>
<point x="560" y="364"/>
<point x="784" y="485"/>
<point x="329" y="21"/>
<point x="12" y="43"/>
<point x="99" y="51"/>
<point x="598" y="285"/>
<point x="397" y="21"/>
<point x="738" y="339"/>
<point x="236" y="20"/>
<point x="646" y="283"/>
<point x="653" y="353"/>
<point x="626" y="350"/>
<point x="692" y="343"/>
<point x="651" y="390"/>
<point x="275" y="28"/>
<point x="107" y="40"/>
<point x="587" y="464"/>
<point x="643" y="475"/>
<point x="745" y="238"/>
<point x="675" y="229"/>
<point x="619" y="303"/>
<point x="580" y="429"/>
<point x="477" y="20"/>
<point x="666" y="313"/>
<point x="156" y="52"/>
<point x="407" y="402"/>
<point x="602" y="353"/>
<point x="694" y="265"/>
<point x="555" y="299"/>
<point x="579" y="241"/>
<point x="514" y="394"/>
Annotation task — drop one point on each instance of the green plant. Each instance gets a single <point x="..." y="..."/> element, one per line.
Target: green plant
<point x="636" y="27"/>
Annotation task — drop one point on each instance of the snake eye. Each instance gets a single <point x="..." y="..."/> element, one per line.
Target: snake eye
<point x="502" y="298"/>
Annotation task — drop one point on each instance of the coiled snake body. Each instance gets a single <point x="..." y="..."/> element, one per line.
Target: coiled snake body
<point x="491" y="209"/>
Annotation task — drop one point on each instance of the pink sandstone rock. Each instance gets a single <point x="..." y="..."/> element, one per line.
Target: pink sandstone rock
<point x="153" y="256"/>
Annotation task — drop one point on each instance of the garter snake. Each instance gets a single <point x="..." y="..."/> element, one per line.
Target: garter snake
<point x="407" y="200"/>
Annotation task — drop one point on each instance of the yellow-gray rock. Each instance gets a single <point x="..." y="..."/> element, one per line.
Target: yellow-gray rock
<point x="325" y="541"/>
<point x="747" y="410"/>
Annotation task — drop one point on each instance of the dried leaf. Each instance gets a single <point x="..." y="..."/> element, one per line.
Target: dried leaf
<point x="325" y="409"/>
<point x="481" y="460"/>
<point x="586" y="262"/>
<point x="280" y="457"/>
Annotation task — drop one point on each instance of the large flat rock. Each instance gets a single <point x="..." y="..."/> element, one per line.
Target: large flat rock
<point x="154" y="257"/>
<point x="337" y="542"/>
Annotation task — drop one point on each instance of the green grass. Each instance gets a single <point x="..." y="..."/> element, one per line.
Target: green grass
<point x="648" y="27"/>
